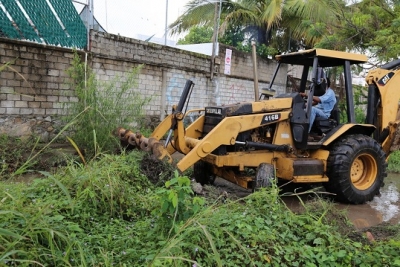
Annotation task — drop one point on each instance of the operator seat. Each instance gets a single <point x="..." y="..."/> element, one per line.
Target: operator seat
<point x="322" y="126"/>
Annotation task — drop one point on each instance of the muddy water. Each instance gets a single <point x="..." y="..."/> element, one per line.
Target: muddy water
<point x="383" y="208"/>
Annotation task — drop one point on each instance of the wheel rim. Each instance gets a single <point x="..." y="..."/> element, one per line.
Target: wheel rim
<point x="364" y="171"/>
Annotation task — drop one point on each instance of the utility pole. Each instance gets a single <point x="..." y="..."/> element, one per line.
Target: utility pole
<point x="92" y="13"/>
<point x="166" y="23"/>
<point x="217" y="15"/>
<point x="89" y="19"/>
<point x="255" y="71"/>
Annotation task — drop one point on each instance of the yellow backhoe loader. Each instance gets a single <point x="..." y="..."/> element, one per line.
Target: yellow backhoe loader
<point x="252" y="143"/>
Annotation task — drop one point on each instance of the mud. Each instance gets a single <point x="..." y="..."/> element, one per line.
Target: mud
<point x="384" y="209"/>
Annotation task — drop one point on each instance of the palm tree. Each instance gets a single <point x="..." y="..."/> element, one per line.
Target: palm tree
<point x="265" y="20"/>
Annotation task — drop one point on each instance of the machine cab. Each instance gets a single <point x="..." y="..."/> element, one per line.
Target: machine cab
<point x="312" y="61"/>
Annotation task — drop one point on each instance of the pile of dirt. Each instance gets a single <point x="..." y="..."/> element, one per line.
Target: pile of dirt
<point x="158" y="172"/>
<point x="382" y="232"/>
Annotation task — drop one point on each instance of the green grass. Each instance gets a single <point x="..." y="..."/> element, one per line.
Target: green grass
<point x="394" y="162"/>
<point x="107" y="213"/>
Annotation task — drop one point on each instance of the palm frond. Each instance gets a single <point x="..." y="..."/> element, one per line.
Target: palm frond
<point x="266" y="19"/>
<point x="198" y="13"/>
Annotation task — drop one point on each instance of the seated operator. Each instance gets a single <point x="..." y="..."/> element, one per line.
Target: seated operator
<point x="322" y="105"/>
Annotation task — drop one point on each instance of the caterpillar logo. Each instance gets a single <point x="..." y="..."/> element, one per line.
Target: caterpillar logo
<point x="385" y="79"/>
<point x="217" y="111"/>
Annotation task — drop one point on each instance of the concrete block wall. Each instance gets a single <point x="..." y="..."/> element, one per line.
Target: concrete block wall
<point x="34" y="87"/>
<point x="166" y="70"/>
<point x="164" y="74"/>
<point x="34" y="83"/>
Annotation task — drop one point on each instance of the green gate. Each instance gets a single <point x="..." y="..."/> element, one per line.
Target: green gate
<point x="54" y="22"/>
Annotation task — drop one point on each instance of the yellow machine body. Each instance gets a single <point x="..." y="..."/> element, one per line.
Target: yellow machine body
<point x="235" y="141"/>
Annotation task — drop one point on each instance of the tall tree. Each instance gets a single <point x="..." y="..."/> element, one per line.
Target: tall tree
<point x="276" y="23"/>
<point x="197" y="35"/>
<point x="369" y="26"/>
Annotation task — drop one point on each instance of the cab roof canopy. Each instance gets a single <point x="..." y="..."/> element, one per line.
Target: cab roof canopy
<point x="326" y="58"/>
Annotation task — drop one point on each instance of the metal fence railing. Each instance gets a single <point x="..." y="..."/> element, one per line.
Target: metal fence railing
<point x="54" y="22"/>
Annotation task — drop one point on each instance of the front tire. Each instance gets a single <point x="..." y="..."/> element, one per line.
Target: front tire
<point x="356" y="168"/>
<point x="265" y="176"/>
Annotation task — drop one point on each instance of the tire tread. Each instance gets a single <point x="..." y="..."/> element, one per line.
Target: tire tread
<point x="340" y="158"/>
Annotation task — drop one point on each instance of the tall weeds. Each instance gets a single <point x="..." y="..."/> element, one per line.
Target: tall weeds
<point x="67" y="218"/>
<point x="107" y="213"/>
<point x="107" y="105"/>
<point x="394" y="162"/>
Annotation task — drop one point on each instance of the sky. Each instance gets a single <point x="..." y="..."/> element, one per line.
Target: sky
<point x="131" y="17"/>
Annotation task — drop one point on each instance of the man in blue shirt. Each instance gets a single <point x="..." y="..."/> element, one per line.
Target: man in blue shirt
<point x="323" y="105"/>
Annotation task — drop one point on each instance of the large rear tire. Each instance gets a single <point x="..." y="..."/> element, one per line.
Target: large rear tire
<point x="356" y="168"/>
<point x="202" y="172"/>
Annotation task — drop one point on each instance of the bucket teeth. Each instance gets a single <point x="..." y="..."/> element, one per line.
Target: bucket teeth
<point x="160" y="152"/>
<point x="120" y="132"/>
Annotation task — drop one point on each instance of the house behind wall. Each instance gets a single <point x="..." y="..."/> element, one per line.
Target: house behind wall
<point x="34" y="87"/>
